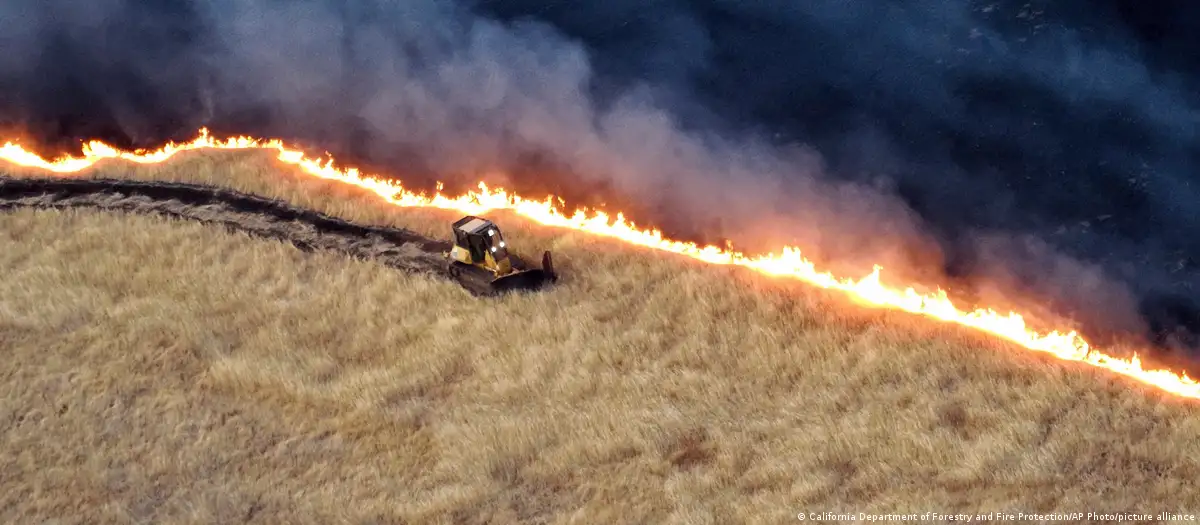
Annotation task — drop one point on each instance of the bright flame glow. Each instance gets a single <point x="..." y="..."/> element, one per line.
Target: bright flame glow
<point x="789" y="262"/>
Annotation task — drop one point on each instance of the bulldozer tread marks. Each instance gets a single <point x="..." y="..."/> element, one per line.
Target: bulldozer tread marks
<point x="261" y="217"/>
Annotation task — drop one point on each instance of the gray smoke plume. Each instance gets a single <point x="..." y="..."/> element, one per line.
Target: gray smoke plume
<point x="1033" y="152"/>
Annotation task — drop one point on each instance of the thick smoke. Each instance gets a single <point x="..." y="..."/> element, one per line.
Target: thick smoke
<point x="1035" y="150"/>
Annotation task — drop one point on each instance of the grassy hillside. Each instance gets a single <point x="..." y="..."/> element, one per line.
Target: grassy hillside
<point x="164" y="371"/>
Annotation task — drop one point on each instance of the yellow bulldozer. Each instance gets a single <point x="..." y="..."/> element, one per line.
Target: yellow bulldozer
<point x="481" y="262"/>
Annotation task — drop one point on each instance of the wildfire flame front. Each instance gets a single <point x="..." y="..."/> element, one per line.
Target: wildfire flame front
<point x="789" y="262"/>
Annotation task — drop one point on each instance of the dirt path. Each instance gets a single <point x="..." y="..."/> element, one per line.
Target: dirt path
<point x="258" y="216"/>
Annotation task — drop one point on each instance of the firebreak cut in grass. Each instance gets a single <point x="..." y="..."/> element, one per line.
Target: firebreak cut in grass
<point x="159" y="370"/>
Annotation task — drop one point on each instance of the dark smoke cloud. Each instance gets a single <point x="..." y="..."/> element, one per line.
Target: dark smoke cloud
<point x="1020" y="149"/>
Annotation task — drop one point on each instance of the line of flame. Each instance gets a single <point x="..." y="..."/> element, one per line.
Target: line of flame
<point x="789" y="262"/>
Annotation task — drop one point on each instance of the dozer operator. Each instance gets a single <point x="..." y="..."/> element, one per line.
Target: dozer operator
<point x="481" y="262"/>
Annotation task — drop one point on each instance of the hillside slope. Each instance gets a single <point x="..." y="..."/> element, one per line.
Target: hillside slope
<point x="161" y="370"/>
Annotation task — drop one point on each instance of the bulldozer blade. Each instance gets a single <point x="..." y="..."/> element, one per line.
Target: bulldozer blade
<point x="483" y="283"/>
<point x="524" y="280"/>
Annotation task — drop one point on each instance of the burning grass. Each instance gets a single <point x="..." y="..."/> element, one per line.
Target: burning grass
<point x="161" y="370"/>
<point x="789" y="262"/>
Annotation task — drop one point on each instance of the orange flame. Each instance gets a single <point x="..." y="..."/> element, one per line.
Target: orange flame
<point x="789" y="262"/>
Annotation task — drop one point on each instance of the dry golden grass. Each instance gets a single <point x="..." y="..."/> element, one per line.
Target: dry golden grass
<point x="160" y="371"/>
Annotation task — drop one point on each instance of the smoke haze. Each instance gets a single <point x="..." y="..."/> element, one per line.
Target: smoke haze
<point x="1040" y="150"/>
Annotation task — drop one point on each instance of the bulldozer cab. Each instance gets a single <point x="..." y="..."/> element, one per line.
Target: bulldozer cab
<point x="479" y="237"/>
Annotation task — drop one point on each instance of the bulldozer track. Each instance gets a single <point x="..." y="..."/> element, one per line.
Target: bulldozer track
<point x="240" y="212"/>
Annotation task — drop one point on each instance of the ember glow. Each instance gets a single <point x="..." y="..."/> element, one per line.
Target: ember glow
<point x="788" y="262"/>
